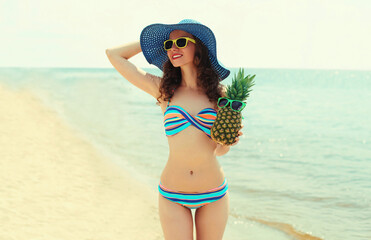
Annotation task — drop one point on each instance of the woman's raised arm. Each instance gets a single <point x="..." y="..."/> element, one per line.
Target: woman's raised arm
<point x="119" y="58"/>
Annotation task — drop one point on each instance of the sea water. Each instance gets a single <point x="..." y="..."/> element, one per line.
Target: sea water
<point x="302" y="169"/>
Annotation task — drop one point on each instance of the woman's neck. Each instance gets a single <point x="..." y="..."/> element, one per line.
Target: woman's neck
<point x="189" y="77"/>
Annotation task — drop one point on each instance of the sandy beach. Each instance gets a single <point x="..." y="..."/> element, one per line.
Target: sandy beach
<point x="55" y="185"/>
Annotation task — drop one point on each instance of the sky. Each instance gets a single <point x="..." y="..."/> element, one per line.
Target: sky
<point x="290" y="34"/>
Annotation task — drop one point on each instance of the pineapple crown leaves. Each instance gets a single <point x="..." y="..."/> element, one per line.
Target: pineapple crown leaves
<point x="240" y="87"/>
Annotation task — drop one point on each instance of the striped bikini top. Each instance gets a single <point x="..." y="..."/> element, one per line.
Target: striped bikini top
<point x="176" y="119"/>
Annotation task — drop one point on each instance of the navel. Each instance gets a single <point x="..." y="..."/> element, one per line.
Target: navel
<point x="191" y="172"/>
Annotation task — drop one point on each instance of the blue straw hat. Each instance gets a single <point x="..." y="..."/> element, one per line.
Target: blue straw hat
<point x="153" y="36"/>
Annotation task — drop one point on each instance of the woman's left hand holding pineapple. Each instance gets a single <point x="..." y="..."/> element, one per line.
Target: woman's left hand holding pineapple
<point x="238" y="138"/>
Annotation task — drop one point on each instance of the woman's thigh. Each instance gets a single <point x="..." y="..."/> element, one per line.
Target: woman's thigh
<point x="211" y="219"/>
<point x="176" y="220"/>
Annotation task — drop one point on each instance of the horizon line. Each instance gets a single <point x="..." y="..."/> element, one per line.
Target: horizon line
<point x="270" y="68"/>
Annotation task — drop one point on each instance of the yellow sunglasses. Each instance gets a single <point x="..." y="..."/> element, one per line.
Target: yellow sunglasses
<point x="181" y="42"/>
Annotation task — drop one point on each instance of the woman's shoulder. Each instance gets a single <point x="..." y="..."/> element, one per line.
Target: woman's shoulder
<point x="224" y="90"/>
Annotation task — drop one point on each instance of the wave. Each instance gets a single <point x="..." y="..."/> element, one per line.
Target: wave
<point x="283" y="227"/>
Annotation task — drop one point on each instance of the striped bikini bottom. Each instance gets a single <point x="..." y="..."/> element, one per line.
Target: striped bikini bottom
<point x="194" y="200"/>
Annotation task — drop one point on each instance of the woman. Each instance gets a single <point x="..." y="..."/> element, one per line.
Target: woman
<point x="187" y="93"/>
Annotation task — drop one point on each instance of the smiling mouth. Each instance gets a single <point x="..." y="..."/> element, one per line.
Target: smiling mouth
<point x="177" y="56"/>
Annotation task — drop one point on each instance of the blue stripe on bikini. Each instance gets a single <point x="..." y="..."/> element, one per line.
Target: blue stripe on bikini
<point x="176" y="130"/>
<point x="195" y="200"/>
<point x="182" y="201"/>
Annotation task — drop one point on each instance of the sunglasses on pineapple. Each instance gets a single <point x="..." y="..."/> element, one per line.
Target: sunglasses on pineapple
<point x="181" y="42"/>
<point x="235" y="105"/>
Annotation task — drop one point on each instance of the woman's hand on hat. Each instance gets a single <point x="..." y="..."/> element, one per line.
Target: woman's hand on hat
<point x="238" y="138"/>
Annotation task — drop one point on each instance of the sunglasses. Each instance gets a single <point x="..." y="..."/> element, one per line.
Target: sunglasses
<point x="181" y="42"/>
<point x="235" y="105"/>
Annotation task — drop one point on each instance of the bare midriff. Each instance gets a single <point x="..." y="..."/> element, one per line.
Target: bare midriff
<point x="192" y="165"/>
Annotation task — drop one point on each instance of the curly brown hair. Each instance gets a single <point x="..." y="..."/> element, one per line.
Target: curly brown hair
<point x="207" y="78"/>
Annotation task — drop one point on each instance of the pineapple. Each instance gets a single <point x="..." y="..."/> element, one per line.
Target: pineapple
<point x="228" y="122"/>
